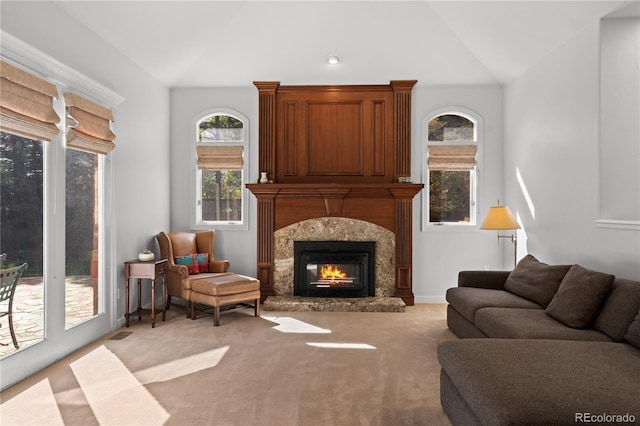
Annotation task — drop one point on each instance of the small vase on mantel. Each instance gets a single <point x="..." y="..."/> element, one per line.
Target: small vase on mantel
<point x="263" y="177"/>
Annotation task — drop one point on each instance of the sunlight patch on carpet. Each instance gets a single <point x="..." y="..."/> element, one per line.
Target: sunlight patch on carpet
<point x="292" y="325"/>
<point x="34" y="406"/>
<point x="182" y="366"/>
<point x="341" y="345"/>
<point x="115" y="395"/>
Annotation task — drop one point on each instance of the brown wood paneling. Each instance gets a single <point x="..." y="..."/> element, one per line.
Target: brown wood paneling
<point x="375" y="210"/>
<point x="295" y="209"/>
<point x="267" y="126"/>
<point x="335" y="151"/>
<point x="404" y="247"/>
<point x="378" y="138"/>
<point x="343" y="133"/>
<point x="290" y="138"/>
<point x="333" y="138"/>
<point x="266" y="215"/>
<point x="402" y="126"/>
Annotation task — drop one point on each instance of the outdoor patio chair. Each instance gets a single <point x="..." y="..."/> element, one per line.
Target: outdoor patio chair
<point x="8" y="282"/>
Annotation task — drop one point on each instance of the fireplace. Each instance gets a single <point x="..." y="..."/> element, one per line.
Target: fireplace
<point x="300" y="130"/>
<point x="334" y="268"/>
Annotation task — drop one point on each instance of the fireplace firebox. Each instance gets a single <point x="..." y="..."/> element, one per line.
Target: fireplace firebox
<point x="334" y="268"/>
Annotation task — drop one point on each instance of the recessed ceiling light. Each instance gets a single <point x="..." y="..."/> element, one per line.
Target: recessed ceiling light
<point x="333" y="59"/>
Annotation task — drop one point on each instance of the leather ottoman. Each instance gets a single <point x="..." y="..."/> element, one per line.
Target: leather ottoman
<point x="223" y="290"/>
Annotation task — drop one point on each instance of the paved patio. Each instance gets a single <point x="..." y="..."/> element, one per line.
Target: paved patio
<point x="28" y="310"/>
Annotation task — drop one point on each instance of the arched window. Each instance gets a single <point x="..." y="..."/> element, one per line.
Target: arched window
<point x="452" y="142"/>
<point x="220" y="199"/>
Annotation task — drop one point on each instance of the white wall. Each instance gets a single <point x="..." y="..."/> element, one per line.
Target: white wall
<point x="619" y="192"/>
<point x="438" y="255"/>
<point x="141" y="158"/>
<point x="140" y="161"/>
<point x="188" y="104"/>
<point x="551" y="138"/>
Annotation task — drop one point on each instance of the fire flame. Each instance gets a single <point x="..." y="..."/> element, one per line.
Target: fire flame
<point x="331" y="272"/>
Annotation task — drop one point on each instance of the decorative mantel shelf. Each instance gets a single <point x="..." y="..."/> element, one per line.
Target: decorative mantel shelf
<point x="337" y="190"/>
<point x="374" y="203"/>
<point x="388" y="205"/>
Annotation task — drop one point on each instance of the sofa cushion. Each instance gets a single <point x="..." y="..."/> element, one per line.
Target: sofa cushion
<point x="579" y="297"/>
<point x="462" y="327"/>
<point x="535" y="281"/>
<point x="483" y="279"/>
<point x="619" y="309"/>
<point x="467" y="300"/>
<point x="633" y="334"/>
<point x="509" y="323"/>
<point x="511" y="382"/>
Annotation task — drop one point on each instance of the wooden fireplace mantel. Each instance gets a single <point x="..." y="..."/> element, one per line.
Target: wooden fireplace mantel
<point x="335" y="151"/>
<point x="373" y="203"/>
<point x="386" y="205"/>
<point x="339" y="190"/>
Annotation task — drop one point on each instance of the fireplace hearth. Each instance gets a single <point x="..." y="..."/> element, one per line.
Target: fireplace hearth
<point x="334" y="268"/>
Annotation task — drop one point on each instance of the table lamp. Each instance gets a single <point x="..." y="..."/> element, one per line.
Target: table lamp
<point x="499" y="218"/>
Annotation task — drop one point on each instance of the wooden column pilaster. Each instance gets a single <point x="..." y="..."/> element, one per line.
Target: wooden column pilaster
<point x="266" y="163"/>
<point x="404" y="242"/>
<point x="402" y="126"/>
<point x="267" y="126"/>
<point x="266" y="220"/>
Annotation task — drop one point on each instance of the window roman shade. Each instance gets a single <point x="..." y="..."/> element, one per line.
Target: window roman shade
<point x="93" y="132"/>
<point x="452" y="157"/>
<point x="26" y="104"/>
<point x="220" y="157"/>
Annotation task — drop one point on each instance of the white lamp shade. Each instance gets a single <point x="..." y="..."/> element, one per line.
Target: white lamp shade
<point x="499" y="217"/>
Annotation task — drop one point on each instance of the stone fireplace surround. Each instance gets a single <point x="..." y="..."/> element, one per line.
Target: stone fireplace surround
<point x="333" y="229"/>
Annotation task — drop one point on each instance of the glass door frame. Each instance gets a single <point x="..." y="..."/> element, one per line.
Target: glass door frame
<point x="57" y="341"/>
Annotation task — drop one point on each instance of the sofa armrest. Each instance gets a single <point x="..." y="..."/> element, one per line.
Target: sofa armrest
<point x="483" y="279"/>
<point x="219" y="265"/>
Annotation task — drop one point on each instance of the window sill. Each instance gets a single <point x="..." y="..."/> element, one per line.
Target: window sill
<point x="447" y="228"/>
<point x="220" y="226"/>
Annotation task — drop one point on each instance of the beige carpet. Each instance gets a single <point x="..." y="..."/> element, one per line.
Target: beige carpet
<point x="285" y="368"/>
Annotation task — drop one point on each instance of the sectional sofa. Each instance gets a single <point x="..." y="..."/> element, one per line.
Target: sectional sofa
<point x="542" y="344"/>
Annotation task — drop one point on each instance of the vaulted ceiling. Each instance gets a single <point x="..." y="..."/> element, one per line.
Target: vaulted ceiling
<point x="232" y="43"/>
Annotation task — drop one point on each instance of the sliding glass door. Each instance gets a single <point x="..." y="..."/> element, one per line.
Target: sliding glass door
<point x="55" y="192"/>
<point x="22" y="234"/>
<point x="22" y="241"/>
<point x="82" y="236"/>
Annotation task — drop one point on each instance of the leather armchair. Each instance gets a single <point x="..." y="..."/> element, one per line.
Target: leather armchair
<point x="178" y="280"/>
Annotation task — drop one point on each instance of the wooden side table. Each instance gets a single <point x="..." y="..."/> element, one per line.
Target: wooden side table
<point x="145" y="270"/>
